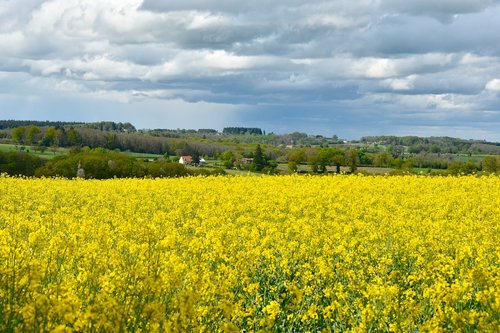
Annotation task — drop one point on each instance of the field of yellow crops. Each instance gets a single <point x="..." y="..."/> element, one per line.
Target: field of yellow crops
<point x="271" y="253"/>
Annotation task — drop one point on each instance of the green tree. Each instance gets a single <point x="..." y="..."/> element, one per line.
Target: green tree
<point x="469" y="168"/>
<point x="352" y="159"/>
<point x="259" y="161"/>
<point x="33" y="134"/>
<point x="61" y="139"/>
<point x="19" y="163"/>
<point x="73" y="137"/>
<point x="435" y="149"/>
<point x="313" y="162"/>
<point x="396" y="150"/>
<point x="337" y="159"/>
<point x="40" y="149"/>
<point x="49" y="138"/>
<point x="111" y="141"/>
<point x="323" y="159"/>
<point x="19" y="134"/>
<point x="382" y="159"/>
<point x="228" y="158"/>
<point x="466" y="168"/>
<point x="196" y="158"/>
<point x="490" y="164"/>
<point x="295" y="157"/>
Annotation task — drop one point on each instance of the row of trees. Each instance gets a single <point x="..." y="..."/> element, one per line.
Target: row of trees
<point x="19" y="163"/>
<point x="491" y="164"/>
<point x="449" y="145"/>
<point x="94" y="163"/>
<point x="320" y="159"/>
<point x="101" y="125"/>
<point x="265" y="158"/>
<point x="93" y="138"/>
<point x="242" y="130"/>
<point x="46" y="136"/>
<point x="257" y="160"/>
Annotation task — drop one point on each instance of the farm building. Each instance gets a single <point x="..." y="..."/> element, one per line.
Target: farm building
<point x="186" y="160"/>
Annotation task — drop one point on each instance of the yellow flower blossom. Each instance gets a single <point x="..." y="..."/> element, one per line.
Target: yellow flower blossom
<point x="271" y="253"/>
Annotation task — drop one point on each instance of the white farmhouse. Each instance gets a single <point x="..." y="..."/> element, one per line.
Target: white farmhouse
<point x="186" y="160"/>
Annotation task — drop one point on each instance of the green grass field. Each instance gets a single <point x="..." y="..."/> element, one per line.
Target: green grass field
<point x="464" y="158"/>
<point x="283" y="167"/>
<point x="143" y="155"/>
<point x="52" y="152"/>
<point x="47" y="154"/>
<point x="426" y="170"/>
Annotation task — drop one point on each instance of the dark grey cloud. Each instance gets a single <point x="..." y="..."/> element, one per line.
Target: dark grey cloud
<point x="347" y="67"/>
<point x="418" y="35"/>
<point x="444" y="9"/>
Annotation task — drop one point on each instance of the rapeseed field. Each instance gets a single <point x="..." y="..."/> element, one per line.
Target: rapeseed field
<point x="231" y="254"/>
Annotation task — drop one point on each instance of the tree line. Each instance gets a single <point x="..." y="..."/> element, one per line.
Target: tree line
<point x="319" y="160"/>
<point x="242" y="130"/>
<point x="101" y="125"/>
<point x="442" y="144"/>
<point x="94" y="138"/>
<point x="331" y="153"/>
<point x="95" y="164"/>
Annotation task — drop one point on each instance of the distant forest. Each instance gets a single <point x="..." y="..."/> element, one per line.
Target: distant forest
<point x="102" y="125"/>
<point x="242" y="130"/>
<point x="235" y="148"/>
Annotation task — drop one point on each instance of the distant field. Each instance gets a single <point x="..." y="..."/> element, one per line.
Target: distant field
<point x="425" y="170"/>
<point x="283" y="167"/>
<point x="53" y="152"/>
<point x="48" y="154"/>
<point x="465" y="158"/>
<point x="7" y="147"/>
<point x="143" y="155"/>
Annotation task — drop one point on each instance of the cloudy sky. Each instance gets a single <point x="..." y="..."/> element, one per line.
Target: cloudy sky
<point x="351" y="68"/>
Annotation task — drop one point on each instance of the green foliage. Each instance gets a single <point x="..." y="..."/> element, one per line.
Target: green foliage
<point x="73" y="138"/>
<point x="321" y="158"/>
<point x="96" y="163"/>
<point x="467" y="168"/>
<point x="436" y="144"/>
<point x="259" y="161"/>
<point x="33" y="134"/>
<point x="295" y="158"/>
<point x="382" y="160"/>
<point x="352" y="159"/>
<point x="50" y="136"/>
<point x="321" y="153"/>
<point x="292" y="166"/>
<point x="242" y="130"/>
<point x="228" y="158"/>
<point x="19" y="134"/>
<point x="19" y="163"/>
<point x="207" y="131"/>
<point x="491" y="164"/>
<point x="102" y="164"/>
<point x="103" y="125"/>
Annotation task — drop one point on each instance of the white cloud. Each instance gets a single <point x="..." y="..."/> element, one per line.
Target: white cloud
<point x="12" y="43"/>
<point x="403" y="84"/>
<point x="493" y="85"/>
<point x="205" y="20"/>
<point x="378" y="68"/>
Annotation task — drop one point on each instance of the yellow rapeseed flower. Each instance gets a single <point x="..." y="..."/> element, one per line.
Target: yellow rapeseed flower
<point x="270" y="253"/>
